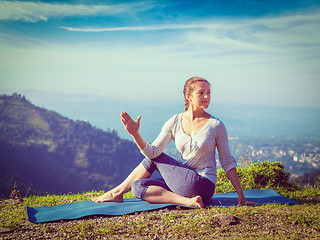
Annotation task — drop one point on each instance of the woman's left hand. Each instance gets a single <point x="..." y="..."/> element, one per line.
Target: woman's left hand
<point x="243" y="202"/>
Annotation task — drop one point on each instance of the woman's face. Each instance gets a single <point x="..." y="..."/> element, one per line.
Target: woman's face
<point x="201" y="95"/>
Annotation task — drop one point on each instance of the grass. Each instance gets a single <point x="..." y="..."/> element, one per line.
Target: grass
<point x="263" y="222"/>
<point x="270" y="221"/>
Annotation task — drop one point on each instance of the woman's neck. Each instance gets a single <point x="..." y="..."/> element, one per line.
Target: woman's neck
<point x="193" y="114"/>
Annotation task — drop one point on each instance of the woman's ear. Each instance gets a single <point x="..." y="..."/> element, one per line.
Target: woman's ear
<point x="188" y="97"/>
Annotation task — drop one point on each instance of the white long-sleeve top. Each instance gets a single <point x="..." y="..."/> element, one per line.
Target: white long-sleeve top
<point x="197" y="151"/>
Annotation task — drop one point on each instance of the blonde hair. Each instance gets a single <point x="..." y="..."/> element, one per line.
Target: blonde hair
<point x="189" y="88"/>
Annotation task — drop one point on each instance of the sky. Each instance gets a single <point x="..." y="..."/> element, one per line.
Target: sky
<point x="256" y="52"/>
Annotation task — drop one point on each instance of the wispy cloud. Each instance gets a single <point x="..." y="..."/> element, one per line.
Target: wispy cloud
<point x="38" y="11"/>
<point x="278" y="34"/>
<point x="252" y="59"/>
<point x="278" y="22"/>
<point x="138" y="28"/>
<point x="260" y="34"/>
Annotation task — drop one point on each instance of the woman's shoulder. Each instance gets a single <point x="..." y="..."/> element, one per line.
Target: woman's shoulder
<point x="172" y="124"/>
<point x="215" y="122"/>
<point x="175" y="117"/>
<point x="173" y="120"/>
<point x="214" y="118"/>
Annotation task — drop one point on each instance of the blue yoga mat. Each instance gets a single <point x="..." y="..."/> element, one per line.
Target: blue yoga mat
<point x="88" y="208"/>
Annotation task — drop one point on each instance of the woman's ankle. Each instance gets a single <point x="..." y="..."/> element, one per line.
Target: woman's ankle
<point x="195" y="202"/>
<point x="116" y="193"/>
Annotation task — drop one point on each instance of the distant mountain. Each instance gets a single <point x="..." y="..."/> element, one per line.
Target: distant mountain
<point x="241" y="120"/>
<point x="45" y="152"/>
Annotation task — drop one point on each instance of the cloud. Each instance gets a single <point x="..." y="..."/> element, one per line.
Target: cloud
<point x="38" y="11"/>
<point x="268" y="34"/>
<point x="138" y="28"/>
<point x="265" y="35"/>
<point x="263" y="60"/>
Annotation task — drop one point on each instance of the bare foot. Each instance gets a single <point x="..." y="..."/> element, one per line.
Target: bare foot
<point x="196" y="202"/>
<point x="108" y="197"/>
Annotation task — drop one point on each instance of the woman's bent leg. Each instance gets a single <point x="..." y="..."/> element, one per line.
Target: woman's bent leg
<point x="180" y="179"/>
<point x="157" y="191"/>
<point x="156" y="194"/>
<point x="180" y="185"/>
<point x="140" y="187"/>
<point x="116" y="194"/>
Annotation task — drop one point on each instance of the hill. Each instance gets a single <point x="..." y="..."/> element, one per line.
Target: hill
<point x="241" y="120"/>
<point x="44" y="152"/>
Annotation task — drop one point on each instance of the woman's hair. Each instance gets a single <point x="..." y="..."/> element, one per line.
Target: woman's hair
<point x="189" y="87"/>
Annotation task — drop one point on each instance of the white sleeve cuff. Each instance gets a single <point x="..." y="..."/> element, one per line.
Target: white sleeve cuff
<point x="229" y="165"/>
<point x="147" y="150"/>
<point x="150" y="151"/>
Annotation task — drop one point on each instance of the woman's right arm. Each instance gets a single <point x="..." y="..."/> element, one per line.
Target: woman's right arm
<point x="148" y="150"/>
<point x="132" y="127"/>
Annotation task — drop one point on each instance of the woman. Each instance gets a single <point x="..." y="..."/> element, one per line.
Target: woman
<point x="197" y="134"/>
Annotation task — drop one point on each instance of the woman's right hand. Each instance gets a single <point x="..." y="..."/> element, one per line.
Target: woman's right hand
<point x="131" y="126"/>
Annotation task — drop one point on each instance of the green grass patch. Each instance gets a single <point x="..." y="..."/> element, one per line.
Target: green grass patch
<point x="277" y="221"/>
<point x="270" y="221"/>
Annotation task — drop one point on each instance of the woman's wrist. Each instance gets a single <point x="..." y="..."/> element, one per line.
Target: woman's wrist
<point x="141" y="143"/>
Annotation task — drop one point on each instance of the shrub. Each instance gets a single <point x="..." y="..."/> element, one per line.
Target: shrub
<point x="307" y="179"/>
<point x="263" y="175"/>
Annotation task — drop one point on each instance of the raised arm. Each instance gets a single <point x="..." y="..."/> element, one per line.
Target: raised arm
<point x="148" y="150"/>
<point x="132" y="128"/>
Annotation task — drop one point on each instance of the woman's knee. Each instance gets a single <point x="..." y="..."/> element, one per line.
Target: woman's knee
<point x="206" y="189"/>
<point x="148" y="165"/>
<point x="138" y="189"/>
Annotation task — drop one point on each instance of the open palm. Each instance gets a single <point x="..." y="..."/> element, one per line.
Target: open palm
<point x="131" y="126"/>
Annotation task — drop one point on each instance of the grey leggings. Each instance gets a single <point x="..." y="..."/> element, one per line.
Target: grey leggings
<point x="176" y="178"/>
